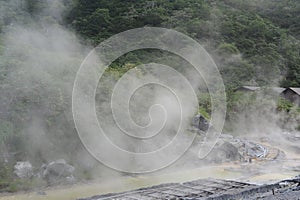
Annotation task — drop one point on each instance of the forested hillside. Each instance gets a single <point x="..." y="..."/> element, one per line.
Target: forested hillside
<point x="263" y="33"/>
<point x="253" y="42"/>
<point x="257" y="37"/>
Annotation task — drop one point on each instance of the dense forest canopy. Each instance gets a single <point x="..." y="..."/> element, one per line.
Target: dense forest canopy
<point x="264" y="33"/>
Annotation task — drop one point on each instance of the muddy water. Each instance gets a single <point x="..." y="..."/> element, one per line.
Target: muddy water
<point x="129" y="183"/>
<point x="224" y="171"/>
<point x="126" y="183"/>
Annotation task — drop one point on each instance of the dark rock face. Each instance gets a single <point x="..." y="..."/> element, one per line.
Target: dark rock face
<point x="200" y="123"/>
<point x="58" y="172"/>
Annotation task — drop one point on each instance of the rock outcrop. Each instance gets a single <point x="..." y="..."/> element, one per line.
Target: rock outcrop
<point x="57" y="172"/>
<point x="23" y="170"/>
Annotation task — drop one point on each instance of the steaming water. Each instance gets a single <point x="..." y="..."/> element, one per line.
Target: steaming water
<point x="262" y="173"/>
<point x="130" y="183"/>
<point x="65" y="42"/>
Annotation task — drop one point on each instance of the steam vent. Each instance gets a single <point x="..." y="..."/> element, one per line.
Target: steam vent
<point x="210" y="189"/>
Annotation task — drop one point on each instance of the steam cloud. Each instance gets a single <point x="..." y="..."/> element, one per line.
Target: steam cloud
<point x="40" y="59"/>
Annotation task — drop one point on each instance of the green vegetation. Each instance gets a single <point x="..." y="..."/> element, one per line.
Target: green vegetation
<point x="284" y="105"/>
<point x="269" y="52"/>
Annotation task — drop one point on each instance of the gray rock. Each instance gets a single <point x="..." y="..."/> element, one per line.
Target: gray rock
<point x="42" y="193"/>
<point x="255" y="150"/>
<point x="58" y="172"/>
<point x="225" y="152"/>
<point x="23" y="170"/>
<point x="200" y="123"/>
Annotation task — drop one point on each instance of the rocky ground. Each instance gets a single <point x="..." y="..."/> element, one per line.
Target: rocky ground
<point x="235" y="157"/>
<point x="53" y="173"/>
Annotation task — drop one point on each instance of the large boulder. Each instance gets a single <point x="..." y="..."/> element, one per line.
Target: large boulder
<point x="224" y="152"/>
<point x="23" y="170"/>
<point x="58" y="172"/>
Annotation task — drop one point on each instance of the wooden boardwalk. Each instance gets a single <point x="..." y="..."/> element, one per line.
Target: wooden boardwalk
<point x="198" y="189"/>
<point x="211" y="189"/>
